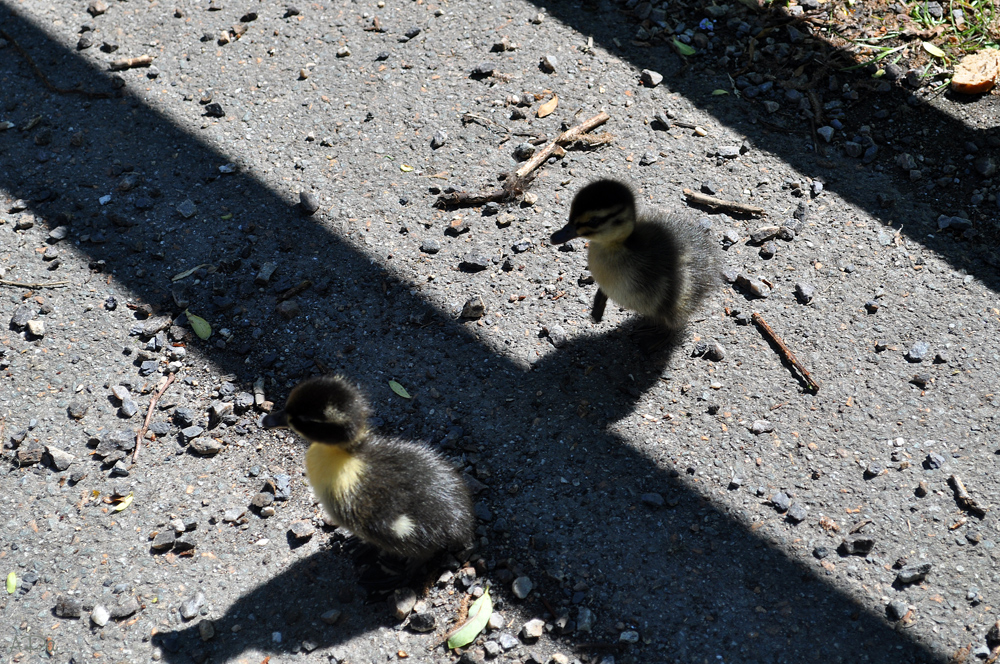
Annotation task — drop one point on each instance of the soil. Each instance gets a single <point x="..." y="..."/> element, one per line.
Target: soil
<point x="666" y="508"/>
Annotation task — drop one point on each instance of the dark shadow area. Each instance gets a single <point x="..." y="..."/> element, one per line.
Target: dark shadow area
<point x="688" y="576"/>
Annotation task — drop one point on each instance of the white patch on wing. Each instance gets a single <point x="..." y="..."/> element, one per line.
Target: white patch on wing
<point x="403" y="526"/>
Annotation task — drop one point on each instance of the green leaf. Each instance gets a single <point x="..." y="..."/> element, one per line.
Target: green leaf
<point x="123" y="505"/>
<point x="188" y="273"/>
<point x="719" y="92"/>
<point x="11" y="583"/>
<point x="406" y="168"/>
<point x="199" y="325"/>
<point x="399" y="389"/>
<point x="479" y="615"/>
<point x="934" y="50"/>
<point x="683" y="48"/>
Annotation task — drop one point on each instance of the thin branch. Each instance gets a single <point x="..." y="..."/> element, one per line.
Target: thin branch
<point x="964" y="500"/>
<point x="729" y="206"/>
<point x="785" y="352"/>
<point x="149" y="416"/>
<point x="47" y="284"/>
<point x="567" y="136"/>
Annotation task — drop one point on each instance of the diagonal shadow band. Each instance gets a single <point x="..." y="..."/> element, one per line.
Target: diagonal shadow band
<point x="530" y="426"/>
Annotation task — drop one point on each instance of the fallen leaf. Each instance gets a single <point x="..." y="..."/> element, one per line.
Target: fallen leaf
<point x="123" y="505"/>
<point x="11" y="583"/>
<point x="719" y="92"/>
<point x="199" y="325"/>
<point x="682" y="48"/>
<point x="188" y="273"/>
<point x="399" y="389"/>
<point x="934" y="50"/>
<point x="405" y="168"/>
<point x="548" y="107"/>
<point x="479" y="615"/>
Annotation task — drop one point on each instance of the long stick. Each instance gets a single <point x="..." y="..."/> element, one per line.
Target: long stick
<point x="149" y="416"/>
<point x="568" y="136"/>
<point x="785" y="352"/>
<point x="732" y="206"/>
<point x="19" y="284"/>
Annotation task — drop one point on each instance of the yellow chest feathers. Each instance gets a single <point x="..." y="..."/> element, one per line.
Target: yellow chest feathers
<point x="331" y="470"/>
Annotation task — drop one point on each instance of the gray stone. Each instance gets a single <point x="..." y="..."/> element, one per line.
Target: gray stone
<point x="918" y="351"/>
<point x="781" y="501"/>
<point x="761" y="426"/>
<point x="127" y="605"/>
<point x="331" y="617"/>
<point x="68" y="607"/>
<point x="474" y="308"/>
<point x="164" y="540"/>
<point x="804" y="292"/>
<point x="22" y="315"/>
<point x="558" y="336"/>
<point x="913" y="573"/>
<point x="764" y="233"/>
<point x="522" y="587"/>
<point x="584" y="619"/>
<point x="422" y="622"/>
<point x="187" y="208"/>
<point x="36" y="328"/>
<point x="206" y="630"/>
<point x="191" y="606"/>
<point x="308" y="201"/>
<point x="797" y="513"/>
<point x="533" y="629"/>
<point x="77" y="409"/>
<point x="549" y="64"/>
<point x="401" y="602"/>
<point x="302" y="529"/>
<point x="430" y="246"/>
<point x="652" y="500"/>
<point x="508" y="641"/>
<point x="650" y="78"/>
<point x="896" y="609"/>
<point x="233" y="514"/>
<point x="60" y="460"/>
<point x="856" y="546"/>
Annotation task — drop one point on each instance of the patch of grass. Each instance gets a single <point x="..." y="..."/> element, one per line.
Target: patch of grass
<point x="970" y="25"/>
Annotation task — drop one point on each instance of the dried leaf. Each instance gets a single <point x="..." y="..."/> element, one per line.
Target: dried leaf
<point x="123" y="505"/>
<point x="399" y="389"/>
<point x="188" y="273"/>
<point x="479" y="615"/>
<point x="934" y="50"/>
<point x="683" y="48"/>
<point x="548" y="107"/>
<point x="11" y="583"/>
<point x="405" y="168"/>
<point x="199" y="325"/>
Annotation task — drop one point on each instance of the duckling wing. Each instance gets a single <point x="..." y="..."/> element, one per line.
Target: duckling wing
<point x="673" y="267"/>
<point x="412" y="502"/>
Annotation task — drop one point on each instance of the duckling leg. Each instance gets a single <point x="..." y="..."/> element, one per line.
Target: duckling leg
<point x="600" y="301"/>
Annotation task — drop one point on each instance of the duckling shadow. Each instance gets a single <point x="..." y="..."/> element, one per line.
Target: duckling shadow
<point x="288" y="613"/>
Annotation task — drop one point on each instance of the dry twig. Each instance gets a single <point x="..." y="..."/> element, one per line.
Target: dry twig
<point x="785" y="352"/>
<point x="302" y="287"/>
<point x="516" y="182"/>
<point x="149" y="416"/>
<point x="19" y="284"/>
<point x="129" y="63"/>
<point x="45" y="80"/>
<point x="964" y="500"/>
<point x="729" y="206"/>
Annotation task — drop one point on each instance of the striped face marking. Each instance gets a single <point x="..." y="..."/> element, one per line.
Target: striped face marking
<point x="590" y="222"/>
<point x="403" y="526"/>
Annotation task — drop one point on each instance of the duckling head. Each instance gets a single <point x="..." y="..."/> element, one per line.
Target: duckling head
<point x="325" y="409"/>
<point x="603" y="211"/>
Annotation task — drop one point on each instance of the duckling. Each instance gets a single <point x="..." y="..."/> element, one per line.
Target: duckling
<point x="661" y="266"/>
<point x="400" y="496"/>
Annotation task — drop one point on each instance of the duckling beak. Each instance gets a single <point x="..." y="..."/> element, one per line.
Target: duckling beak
<point x="275" y="420"/>
<point x="564" y="234"/>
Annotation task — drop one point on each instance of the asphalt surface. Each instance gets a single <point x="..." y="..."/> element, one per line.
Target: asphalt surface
<point x="632" y="490"/>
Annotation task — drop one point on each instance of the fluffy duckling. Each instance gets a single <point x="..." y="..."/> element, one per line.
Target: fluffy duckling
<point x="397" y="495"/>
<point x="661" y="266"/>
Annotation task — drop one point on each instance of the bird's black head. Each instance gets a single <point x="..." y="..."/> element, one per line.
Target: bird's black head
<point x="603" y="211"/>
<point x="325" y="409"/>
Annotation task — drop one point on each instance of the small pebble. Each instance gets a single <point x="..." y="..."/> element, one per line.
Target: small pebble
<point x="896" y="609"/>
<point x="308" y="201"/>
<point x="761" y="426"/>
<point x="781" y="501"/>
<point x="650" y="78"/>
<point x="100" y="616"/>
<point x="533" y="629"/>
<point x="918" y="351"/>
<point x="522" y="587"/>
<point x="797" y="513"/>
